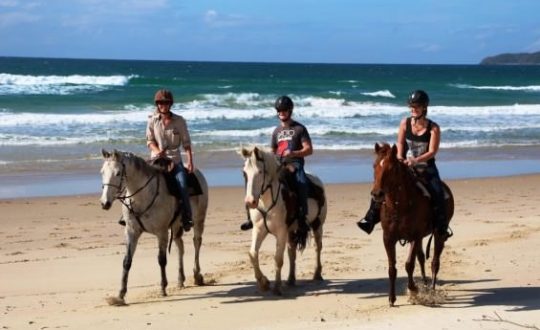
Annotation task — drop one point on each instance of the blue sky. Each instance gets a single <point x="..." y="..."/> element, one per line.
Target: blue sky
<point x="326" y="31"/>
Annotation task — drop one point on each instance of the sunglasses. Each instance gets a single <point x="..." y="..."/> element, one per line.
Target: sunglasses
<point x="281" y="110"/>
<point x="163" y="102"/>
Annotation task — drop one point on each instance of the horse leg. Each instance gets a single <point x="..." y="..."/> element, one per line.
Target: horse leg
<point x="281" y="241"/>
<point x="317" y="234"/>
<point x="422" y="261"/>
<point x="390" y="247"/>
<point x="257" y="237"/>
<point x="162" y="260"/>
<point x="132" y="239"/>
<point x="178" y="240"/>
<point x="291" y="251"/>
<point x="409" y="266"/>
<point x="435" y="263"/>
<point x="197" y="242"/>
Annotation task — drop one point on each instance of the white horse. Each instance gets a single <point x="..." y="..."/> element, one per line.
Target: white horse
<point x="268" y="211"/>
<point x="149" y="207"/>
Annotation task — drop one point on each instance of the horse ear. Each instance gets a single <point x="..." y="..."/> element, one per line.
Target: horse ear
<point x="115" y="154"/>
<point x="105" y="153"/>
<point x="256" y="151"/>
<point x="394" y="150"/>
<point x="244" y="152"/>
<point x="377" y="147"/>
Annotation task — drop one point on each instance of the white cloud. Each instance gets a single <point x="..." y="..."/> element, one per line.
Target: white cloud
<point x="214" y="19"/>
<point x="16" y="18"/>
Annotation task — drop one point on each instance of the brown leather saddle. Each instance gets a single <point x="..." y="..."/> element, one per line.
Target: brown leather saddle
<point x="168" y="168"/>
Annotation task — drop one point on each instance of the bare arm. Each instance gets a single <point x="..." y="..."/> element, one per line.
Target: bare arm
<point x="189" y="156"/>
<point x="401" y="139"/>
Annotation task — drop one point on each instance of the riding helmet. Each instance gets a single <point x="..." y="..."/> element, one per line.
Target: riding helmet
<point x="418" y="97"/>
<point x="284" y="103"/>
<point x="163" y="95"/>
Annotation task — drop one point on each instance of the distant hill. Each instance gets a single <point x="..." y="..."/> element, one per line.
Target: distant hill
<point x="517" y="58"/>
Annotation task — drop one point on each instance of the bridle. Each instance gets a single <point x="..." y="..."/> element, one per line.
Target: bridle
<point x="265" y="188"/>
<point x="126" y="199"/>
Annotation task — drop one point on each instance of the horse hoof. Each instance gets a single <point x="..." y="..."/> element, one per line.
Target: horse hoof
<point x="277" y="291"/>
<point x="264" y="284"/>
<point x="199" y="280"/>
<point x="116" y="301"/>
<point x="318" y="277"/>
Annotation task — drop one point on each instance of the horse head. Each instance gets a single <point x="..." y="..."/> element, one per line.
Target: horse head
<point x="260" y="169"/>
<point x="385" y="170"/>
<point x="112" y="177"/>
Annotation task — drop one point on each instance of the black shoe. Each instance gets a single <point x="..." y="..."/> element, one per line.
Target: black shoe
<point x="246" y="225"/>
<point x="187" y="224"/>
<point x="366" y="226"/>
<point x="445" y="233"/>
<point x="122" y="222"/>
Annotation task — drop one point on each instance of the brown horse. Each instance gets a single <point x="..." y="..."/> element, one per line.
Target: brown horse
<point x="406" y="215"/>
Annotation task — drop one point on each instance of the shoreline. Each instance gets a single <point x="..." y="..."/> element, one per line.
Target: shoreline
<point x="223" y="169"/>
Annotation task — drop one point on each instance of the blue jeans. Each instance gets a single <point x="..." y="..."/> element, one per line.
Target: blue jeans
<point x="181" y="178"/>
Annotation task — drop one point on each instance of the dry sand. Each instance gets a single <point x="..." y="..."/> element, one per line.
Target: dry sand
<point x="61" y="257"/>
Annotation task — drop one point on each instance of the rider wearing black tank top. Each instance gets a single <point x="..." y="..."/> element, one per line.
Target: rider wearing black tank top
<point x="417" y="143"/>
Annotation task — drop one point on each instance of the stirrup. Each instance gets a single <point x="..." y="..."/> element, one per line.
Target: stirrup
<point x="246" y="225"/>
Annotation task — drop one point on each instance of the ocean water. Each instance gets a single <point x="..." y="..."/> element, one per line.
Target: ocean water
<point x="57" y="114"/>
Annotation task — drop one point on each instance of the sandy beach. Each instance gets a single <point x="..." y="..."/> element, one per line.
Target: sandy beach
<point x="61" y="257"/>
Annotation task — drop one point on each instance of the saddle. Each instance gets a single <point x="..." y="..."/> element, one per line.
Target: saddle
<point x="289" y="191"/>
<point x="167" y="168"/>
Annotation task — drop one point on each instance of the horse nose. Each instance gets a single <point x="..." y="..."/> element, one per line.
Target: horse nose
<point x="251" y="202"/>
<point x="377" y="195"/>
<point x="106" y="205"/>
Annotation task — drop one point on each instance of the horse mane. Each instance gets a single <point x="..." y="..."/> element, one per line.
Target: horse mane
<point x="138" y="162"/>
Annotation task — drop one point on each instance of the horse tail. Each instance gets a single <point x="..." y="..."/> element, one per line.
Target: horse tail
<point x="299" y="239"/>
<point x="428" y="246"/>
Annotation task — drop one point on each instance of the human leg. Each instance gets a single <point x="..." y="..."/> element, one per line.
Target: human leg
<point x="436" y="189"/>
<point x="302" y="188"/>
<point x="372" y="217"/>
<point x="181" y="177"/>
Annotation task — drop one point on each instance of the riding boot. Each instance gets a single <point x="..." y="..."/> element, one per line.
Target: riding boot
<point x="442" y="225"/>
<point x="121" y="221"/>
<point x="372" y="217"/>
<point x="187" y="220"/>
<point x="247" y="225"/>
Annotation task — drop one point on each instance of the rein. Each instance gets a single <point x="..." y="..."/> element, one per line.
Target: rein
<point x="128" y="203"/>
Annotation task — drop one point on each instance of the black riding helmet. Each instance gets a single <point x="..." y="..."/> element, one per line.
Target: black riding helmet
<point x="418" y="97"/>
<point x="284" y="103"/>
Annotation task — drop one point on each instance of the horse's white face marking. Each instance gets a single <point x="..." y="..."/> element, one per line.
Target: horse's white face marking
<point x="254" y="176"/>
<point x="381" y="163"/>
<point x="111" y="178"/>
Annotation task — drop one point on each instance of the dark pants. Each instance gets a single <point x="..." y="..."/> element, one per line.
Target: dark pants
<point x="435" y="186"/>
<point x="302" y="189"/>
<point x="181" y="178"/>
